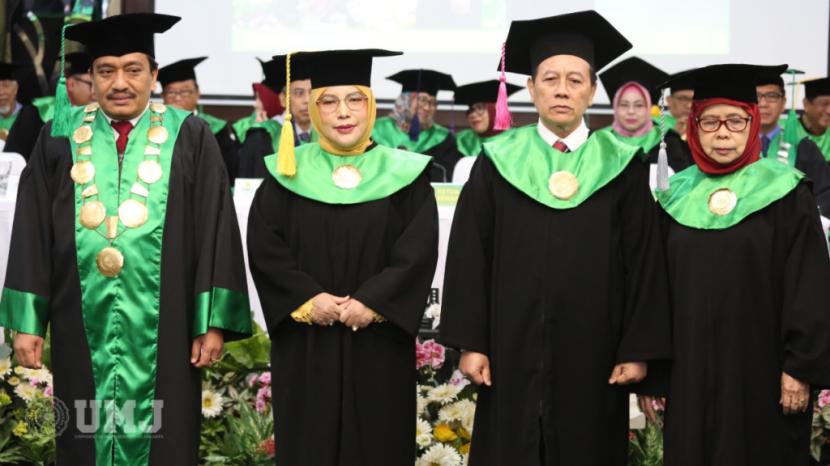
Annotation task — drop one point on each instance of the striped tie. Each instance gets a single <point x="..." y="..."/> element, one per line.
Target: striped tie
<point x="561" y="146"/>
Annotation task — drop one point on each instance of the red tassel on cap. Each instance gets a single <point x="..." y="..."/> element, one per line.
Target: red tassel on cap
<point x="504" y="120"/>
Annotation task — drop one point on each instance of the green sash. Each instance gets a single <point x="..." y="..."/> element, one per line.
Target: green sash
<point x="387" y="133"/>
<point x="121" y="315"/>
<point x="384" y="172"/>
<point x="646" y="142"/>
<point x="45" y="107"/>
<point x="526" y="161"/>
<point x="794" y="132"/>
<point x="7" y="122"/>
<point x="756" y="186"/>
<point x="469" y="142"/>
<point x="215" y="124"/>
<point x="242" y="125"/>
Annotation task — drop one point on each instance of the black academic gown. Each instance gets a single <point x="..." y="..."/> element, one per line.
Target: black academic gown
<point x="257" y="146"/>
<point x="342" y="397"/>
<point x="749" y="302"/>
<point x="444" y="157"/>
<point x="230" y="151"/>
<point x="201" y="249"/>
<point x="24" y="132"/>
<point x="555" y="298"/>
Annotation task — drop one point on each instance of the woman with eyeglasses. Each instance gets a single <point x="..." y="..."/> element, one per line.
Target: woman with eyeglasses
<point x="632" y="87"/>
<point x="748" y="268"/>
<point x="342" y="245"/>
<point x="480" y="99"/>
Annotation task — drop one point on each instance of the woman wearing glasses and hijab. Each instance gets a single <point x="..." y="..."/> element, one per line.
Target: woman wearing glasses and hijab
<point x="342" y="240"/>
<point x="748" y="268"/>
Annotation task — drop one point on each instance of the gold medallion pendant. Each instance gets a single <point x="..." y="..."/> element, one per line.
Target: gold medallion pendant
<point x="563" y="185"/>
<point x="346" y="177"/>
<point x="82" y="172"/>
<point x="91" y="107"/>
<point x="132" y="213"/>
<point x="158" y="108"/>
<point x="149" y="171"/>
<point x="158" y="134"/>
<point x="93" y="214"/>
<point x="110" y="261"/>
<point x="82" y="134"/>
<point x="722" y="201"/>
<point x="4" y="134"/>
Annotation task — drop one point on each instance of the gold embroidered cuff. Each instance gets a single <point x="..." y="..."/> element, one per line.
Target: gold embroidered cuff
<point x="377" y="318"/>
<point x="303" y="313"/>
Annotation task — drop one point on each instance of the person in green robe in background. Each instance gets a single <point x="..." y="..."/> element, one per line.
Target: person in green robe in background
<point x="180" y="89"/>
<point x="126" y="247"/>
<point x="343" y="243"/>
<point x="9" y="106"/>
<point x="267" y="104"/>
<point x="263" y="138"/>
<point x="480" y="99"/>
<point x="555" y="279"/>
<point x="412" y="125"/>
<point x="815" y="121"/>
<point x="26" y="128"/>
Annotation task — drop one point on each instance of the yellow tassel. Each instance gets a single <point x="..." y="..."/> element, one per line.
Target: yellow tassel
<point x="286" y="161"/>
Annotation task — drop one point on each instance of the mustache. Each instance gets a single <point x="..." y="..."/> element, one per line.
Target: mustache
<point x="120" y="95"/>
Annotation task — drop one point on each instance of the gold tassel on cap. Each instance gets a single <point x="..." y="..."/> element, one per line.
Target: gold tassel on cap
<point x="286" y="161"/>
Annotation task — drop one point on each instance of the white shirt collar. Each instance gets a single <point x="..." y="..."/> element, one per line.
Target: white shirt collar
<point x="573" y="140"/>
<point x="133" y="121"/>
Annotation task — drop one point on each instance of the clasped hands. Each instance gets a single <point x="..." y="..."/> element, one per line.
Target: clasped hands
<point x="328" y="309"/>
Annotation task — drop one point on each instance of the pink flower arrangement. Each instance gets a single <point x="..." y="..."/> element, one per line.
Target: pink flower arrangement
<point x="824" y="398"/>
<point x="429" y="353"/>
<point x="263" y="394"/>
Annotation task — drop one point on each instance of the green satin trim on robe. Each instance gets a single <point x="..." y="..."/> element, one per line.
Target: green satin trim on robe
<point x="121" y="315"/>
<point x="242" y="125"/>
<point x="469" y="142"/>
<point x="385" y="171"/>
<point x="210" y="306"/>
<point x="7" y="122"/>
<point x="646" y="142"/>
<point x="775" y="147"/>
<point x="795" y="132"/>
<point x="526" y="161"/>
<point x="45" y="107"/>
<point x="24" y="312"/>
<point x="387" y="133"/>
<point x="757" y="186"/>
<point x="215" y="124"/>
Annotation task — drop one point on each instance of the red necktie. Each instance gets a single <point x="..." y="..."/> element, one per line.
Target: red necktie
<point x="561" y="146"/>
<point x="123" y="129"/>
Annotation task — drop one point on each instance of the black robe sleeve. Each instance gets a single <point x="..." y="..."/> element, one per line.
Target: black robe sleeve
<point x="257" y="146"/>
<point x="230" y="151"/>
<point x="678" y="152"/>
<point x="805" y="317"/>
<point x="399" y="292"/>
<point x="444" y="157"/>
<point x="24" y="132"/>
<point x="468" y="268"/>
<point x="812" y="163"/>
<point x="220" y="278"/>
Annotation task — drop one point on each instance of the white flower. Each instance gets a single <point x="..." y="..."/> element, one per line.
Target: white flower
<point x="458" y="378"/>
<point x="439" y="455"/>
<point x="434" y="312"/>
<point x="211" y="403"/>
<point x="466" y="460"/>
<point x="422" y="404"/>
<point x="5" y="367"/>
<point x="26" y="391"/>
<point x="444" y="393"/>
<point x="423" y="433"/>
<point x="463" y="411"/>
<point x="423" y="389"/>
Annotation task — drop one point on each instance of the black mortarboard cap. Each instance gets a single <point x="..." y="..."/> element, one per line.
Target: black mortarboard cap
<point x="680" y="82"/>
<point x="729" y="81"/>
<point x="121" y="34"/>
<point x="181" y="70"/>
<point x="275" y="75"/>
<point x="340" y="67"/>
<point x="485" y="91"/>
<point x="13" y="71"/>
<point x="585" y="34"/>
<point x="428" y="81"/>
<point x="77" y="63"/>
<point x="637" y="70"/>
<point x="816" y="87"/>
<point x="764" y="79"/>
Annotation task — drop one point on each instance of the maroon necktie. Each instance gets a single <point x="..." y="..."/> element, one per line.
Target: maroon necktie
<point x="561" y="146"/>
<point x="123" y="129"/>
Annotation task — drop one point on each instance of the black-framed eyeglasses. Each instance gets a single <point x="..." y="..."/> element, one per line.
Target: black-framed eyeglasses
<point x="183" y="93"/>
<point x="330" y="103"/>
<point x="734" y="124"/>
<point x="88" y="83"/>
<point x="771" y="97"/>
<point x="477" y="108"/>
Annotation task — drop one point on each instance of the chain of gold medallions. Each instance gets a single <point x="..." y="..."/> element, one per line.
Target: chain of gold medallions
<point x="132" y="213"/>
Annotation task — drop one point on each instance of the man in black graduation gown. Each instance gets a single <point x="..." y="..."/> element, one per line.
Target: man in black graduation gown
<point x="422" y="134"/>
<point x="181" y="90"/>
<point x="815" y="121"/>
<point x="804" y="155"/>
<point x="26" y="128"/>
<point x="263" y="138"/>
<point x="9" y="106"/>
<point x="126" y="246"/>
<point x="554" y="285"/>
<point x="679" y="103"/>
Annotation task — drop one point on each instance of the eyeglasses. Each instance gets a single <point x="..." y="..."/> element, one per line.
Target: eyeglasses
<point x="734" y="124"/>
<point x="427" y="102"/>
<point x="330" y="103"/>
<point x="183" y="94"/>
<point x="88" y="83"/>
<point x="478" y="109"/>
<point x="682" y="99"/>
<point x="771" y="97"/>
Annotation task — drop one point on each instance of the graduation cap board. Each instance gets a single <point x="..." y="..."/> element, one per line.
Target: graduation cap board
<point x="275" y="72"/>
<point x="585" y="34"/>
<point x="816" y="87"/>
<point x="121" y="34"/>
<point x="421" y="80"/>
<point x="181" y="70"/>
<point x="77" y="63"/>
<point x="484" y="91"/>
<point x="730" y="81"/>
<point x="12" y="71"/>
<point x="633" y="69"/>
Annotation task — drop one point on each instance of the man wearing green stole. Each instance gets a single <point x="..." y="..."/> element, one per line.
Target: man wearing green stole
<point x="263" y="138"/>
<point x="800" y="152"/>
<point x="126" y="246"/>
<point x="180" y="89"/>
<point x="480" y="99"/>
<point x="9" y="106"/>
<point x="815" y="120"/>
<point x="266" y="102"/>
<point x="555" y="277"/>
